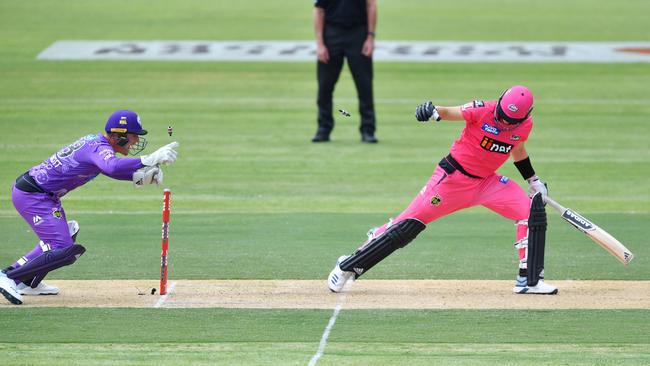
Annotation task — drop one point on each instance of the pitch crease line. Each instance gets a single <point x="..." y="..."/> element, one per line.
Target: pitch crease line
<point x="330" y="325"/>
<point x="164" y="297"/>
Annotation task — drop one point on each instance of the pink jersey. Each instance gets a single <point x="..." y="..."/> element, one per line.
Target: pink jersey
<point x="482" y="146"/>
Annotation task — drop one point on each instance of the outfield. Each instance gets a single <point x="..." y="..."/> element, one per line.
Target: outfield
<point x="253" y="199"/>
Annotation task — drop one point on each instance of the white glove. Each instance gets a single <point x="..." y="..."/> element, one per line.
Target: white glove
<point x="148" y="175"/>
<point x="536" y="185"/>
<point x="165" y="155"/>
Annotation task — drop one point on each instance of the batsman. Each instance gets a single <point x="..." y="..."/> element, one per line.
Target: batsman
<point x="37" y="195"/>
<point x="466" y="177"/>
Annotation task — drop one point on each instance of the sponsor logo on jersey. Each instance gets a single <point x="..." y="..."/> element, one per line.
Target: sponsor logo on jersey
<point x="37" y="220"/>
<point x="493" y="145"/>
<point x="435" y="200"/>
<point x="107" y="154"/>
<point x="578" y="221"/>
<point x="504" y="179"/>
<point x="56" y="213"/>
<point x="490" y="129"/>
<point x="515" y="137"/>
<point x="474" y="104"/>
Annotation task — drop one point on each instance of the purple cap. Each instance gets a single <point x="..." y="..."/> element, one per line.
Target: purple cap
<point x="124" y="121"/>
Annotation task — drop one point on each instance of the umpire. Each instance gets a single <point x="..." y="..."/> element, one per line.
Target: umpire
<point x="345" y="28"/>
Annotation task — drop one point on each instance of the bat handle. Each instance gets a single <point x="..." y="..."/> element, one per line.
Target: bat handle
<point x="555" y="205"/>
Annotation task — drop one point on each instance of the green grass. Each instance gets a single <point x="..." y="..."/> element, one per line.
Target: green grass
<point x="176" y="336"/>
<point x="238" y="241"/>
<point x="253" y="198"/>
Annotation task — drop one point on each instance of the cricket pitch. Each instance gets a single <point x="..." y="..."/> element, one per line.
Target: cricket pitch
<point x="362" y="294"/>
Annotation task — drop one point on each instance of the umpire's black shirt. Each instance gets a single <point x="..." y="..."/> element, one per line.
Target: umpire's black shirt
<point x="344" y="13"/>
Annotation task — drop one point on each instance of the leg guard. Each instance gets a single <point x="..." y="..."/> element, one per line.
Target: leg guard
<point x="395" y="237"/>
<point x="536" y="239"/>
<point x="521" y="246"/>
<point x="36" y="269"/>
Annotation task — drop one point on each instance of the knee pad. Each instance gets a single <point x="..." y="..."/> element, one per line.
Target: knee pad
<point x="395" y="237"/>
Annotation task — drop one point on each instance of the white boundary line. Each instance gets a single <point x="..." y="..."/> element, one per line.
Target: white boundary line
<point x="164" y="297"/>
<point x="330" y="325"/>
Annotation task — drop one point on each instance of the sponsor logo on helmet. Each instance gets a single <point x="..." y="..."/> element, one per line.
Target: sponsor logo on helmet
<point x="512" y="107"/>
<point x="122" y="120"/>
<point x="493" y="145"/>
<point x="436" y="200"/>
<point x="578" y="221"/>
<point x="490" y="129"/>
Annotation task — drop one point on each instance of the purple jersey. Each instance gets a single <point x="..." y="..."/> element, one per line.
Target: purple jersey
<point x="80" y="162"/>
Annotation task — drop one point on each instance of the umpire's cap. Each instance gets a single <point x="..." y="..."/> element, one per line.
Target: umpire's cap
<point x="124" y="121"/>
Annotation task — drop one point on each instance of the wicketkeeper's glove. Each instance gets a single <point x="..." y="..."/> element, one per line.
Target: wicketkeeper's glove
<point x="148" y="175"/>
<point x="165" y="155"/>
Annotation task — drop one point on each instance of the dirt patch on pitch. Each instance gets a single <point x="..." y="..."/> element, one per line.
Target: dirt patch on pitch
<point x="363" y="294"/>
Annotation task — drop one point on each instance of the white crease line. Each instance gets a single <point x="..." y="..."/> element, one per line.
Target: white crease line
<point x="164" y="297"/>
<point x="330" y="325"/>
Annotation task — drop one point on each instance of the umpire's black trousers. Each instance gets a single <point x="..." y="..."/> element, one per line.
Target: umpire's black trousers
<point x="345" y="42"/>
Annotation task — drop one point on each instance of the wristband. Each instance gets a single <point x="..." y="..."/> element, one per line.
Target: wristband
<point x="371" y="34"/>
<point x="525" y="168"/>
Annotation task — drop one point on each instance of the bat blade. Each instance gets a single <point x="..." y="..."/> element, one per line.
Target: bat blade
<point x="594" y="232"/>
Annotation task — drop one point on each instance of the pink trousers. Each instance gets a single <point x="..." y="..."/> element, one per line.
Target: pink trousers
<point x="447" y="193"/>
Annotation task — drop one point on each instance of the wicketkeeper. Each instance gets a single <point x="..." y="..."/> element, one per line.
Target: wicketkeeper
<point x="37" y="197"/>
<point x="494" y="130"/>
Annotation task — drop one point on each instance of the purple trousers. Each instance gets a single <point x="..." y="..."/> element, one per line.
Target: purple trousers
<point x="46" y="217"/>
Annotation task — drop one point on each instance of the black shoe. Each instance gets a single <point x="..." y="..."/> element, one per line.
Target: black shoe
<point x="321" y="137"/>
<point x="368" y="138"/>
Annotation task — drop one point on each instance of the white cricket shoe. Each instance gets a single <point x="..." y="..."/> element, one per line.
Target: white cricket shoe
<point x="8" y="289"/>
<point x="542" y="288"/>
<point x="42" y="289"/>
<point x="339" y="277"/>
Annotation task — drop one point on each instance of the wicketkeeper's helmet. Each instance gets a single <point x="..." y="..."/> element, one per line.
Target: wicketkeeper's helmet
<point x="122" y="122"/>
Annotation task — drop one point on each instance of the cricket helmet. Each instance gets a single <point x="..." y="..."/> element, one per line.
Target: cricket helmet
<point x="123" y="122"/>
<point x="514" y="105"/>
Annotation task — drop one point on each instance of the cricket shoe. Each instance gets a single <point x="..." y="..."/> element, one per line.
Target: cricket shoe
<point x="42" y="289"/>
<point x="8" y="289"/>
<point x="338" y="277"/>
<point x="541" y="288"/>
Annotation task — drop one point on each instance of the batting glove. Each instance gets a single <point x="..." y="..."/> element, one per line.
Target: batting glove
<point x="426" y="111"/>
<point x="165" y="155"/>
<point x="536" y="185"/>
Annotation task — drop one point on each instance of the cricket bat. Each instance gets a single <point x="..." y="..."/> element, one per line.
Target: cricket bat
<point x="594" y="232"/>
